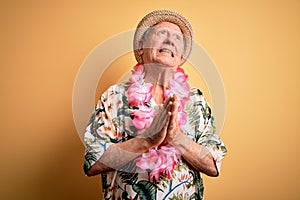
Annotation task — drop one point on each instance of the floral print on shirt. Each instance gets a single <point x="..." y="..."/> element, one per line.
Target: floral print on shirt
<point x="111" y="123"/>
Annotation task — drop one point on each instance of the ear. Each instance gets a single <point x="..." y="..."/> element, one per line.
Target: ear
<point x="182" y="59"/>
<point x="140" y="48"/>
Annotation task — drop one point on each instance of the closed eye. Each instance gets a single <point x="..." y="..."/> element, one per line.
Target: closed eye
<point x="178" y="37"/>
<point x="162" y="32"/>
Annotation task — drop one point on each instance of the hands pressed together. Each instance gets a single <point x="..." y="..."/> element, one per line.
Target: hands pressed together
<point x="164" y="127"/>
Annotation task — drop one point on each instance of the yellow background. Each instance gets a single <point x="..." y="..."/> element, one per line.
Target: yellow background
<point x="255" y="45"/>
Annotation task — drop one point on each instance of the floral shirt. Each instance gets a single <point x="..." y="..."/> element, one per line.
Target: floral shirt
<point x="111" y="123"/>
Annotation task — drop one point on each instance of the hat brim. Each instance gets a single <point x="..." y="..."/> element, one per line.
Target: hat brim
<point x="158" y="16"/>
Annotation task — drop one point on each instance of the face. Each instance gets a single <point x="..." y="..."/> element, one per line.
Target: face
<point x="163" y="44"/>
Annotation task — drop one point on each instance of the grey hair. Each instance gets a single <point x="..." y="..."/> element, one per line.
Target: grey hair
<point x="146" y="34"/>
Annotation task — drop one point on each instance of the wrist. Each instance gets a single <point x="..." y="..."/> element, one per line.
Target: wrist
<point x="146" y="143"/>
<point x="182" y="142"/>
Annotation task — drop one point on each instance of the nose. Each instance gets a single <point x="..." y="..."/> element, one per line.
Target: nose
<point x="169" y="41"/>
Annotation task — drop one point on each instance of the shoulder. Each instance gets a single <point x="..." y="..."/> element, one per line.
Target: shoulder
<point x="195" y="91"/>
<point x="116" y="89"/>
<point x="196" y="95"/>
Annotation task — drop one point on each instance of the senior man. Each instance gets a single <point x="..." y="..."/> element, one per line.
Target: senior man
<point x="153" y="136"/>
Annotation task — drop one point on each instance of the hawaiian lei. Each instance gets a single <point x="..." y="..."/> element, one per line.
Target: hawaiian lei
<point x="159" y="160"/>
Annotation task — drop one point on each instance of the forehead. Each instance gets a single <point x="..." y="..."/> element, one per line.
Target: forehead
<point x="168" y="25"/>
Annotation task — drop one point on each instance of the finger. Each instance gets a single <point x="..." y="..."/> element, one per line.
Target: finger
<point x="162" y="111"/>
<point x="173" y="118"/>
<point x="170" y="99"/>
<point x="166" y="108"/>
<point x="165" y="128"/>
<point x="160" y="120"/>
<point x="169" y="107"/>
<point x="174" y="114"/>
<point x="175" y="110"/>
<point x="175" y="102"/>
<point x="172" y="123"/>
<point x="161" y="124"/>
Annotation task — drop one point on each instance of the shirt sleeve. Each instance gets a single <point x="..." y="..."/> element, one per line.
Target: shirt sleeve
<point x="201" y="118"/>
<point x="100" y="132"/>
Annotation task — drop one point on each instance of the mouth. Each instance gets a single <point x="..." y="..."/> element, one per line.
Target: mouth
<point x="166" y="51"/>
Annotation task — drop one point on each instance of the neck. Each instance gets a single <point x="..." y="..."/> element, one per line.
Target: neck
<point x="158" y="74"/>
<point x="158" y="93"/>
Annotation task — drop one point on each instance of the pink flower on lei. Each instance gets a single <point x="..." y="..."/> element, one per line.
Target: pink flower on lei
<point x="182" y="119"/>
<point x="138" y="74"/>
<point x="159" y="162"/>
<point x="143" y="117"/>
<point x="179" y="85"/>
<point x="139" y="92"/>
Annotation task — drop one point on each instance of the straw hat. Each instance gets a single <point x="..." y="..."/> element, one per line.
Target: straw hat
<point x="158" y="16"/>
